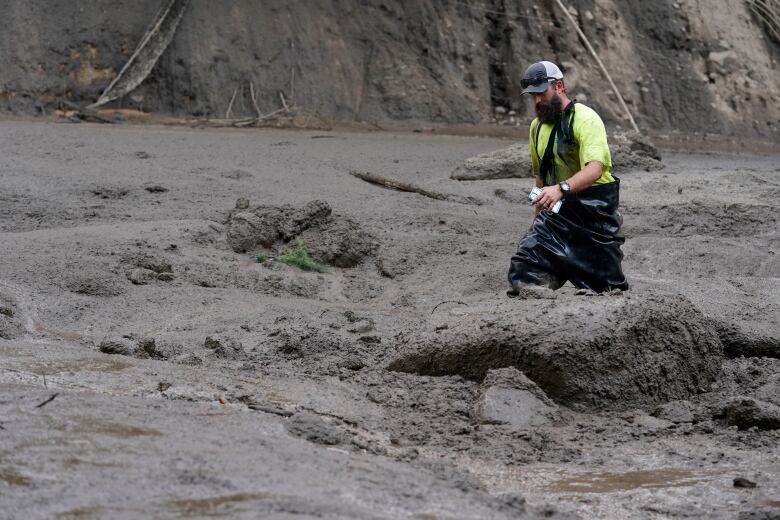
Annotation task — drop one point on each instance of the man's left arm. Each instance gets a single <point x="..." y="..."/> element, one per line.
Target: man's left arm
<point x="581" y="180"/>
<point x="592" y="137"/>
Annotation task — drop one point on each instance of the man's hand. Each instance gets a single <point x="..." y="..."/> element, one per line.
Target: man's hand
<point x="548" y="198"/>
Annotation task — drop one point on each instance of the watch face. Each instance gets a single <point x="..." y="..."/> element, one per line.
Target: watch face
<point x="565" y="187"/>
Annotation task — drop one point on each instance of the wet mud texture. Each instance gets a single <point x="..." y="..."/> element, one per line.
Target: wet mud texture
<point x="142" y="356"/>
<point x="627" y="350"/>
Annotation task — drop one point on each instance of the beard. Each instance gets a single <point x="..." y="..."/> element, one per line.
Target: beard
<point x="549" y="113"/>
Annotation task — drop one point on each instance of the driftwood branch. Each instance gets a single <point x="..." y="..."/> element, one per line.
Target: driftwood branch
<point x="447" y="301"/>
<point x="47" y="401"/>
<point x="600" y="63"/>
<point x="153" y="43"/>
<point x="395" y="184"/>
<point x="77" y="113"/>
<point x="230" y="105"/>
<point x="253" y="96"/>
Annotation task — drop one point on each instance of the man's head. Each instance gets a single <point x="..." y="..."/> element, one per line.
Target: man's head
<point x="544" y="82"/>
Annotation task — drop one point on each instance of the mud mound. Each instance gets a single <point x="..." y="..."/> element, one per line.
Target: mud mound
<point x="341" y="243"/>
<point x="630" y="151"/>
<point x="698" y="218"/>
<point x="634" y="151"/>
<point x="513" y="161"/>
<point x="336" y="240"/>
<point x="746" y="413"/>
<point x="264" y="226"/>
<point x="739" y="342"/>
<point x="607" y="351"/>
<point x="93" y="283"/>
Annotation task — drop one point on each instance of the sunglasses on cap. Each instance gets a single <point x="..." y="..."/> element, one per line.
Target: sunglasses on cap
<point x="525" y="83"/>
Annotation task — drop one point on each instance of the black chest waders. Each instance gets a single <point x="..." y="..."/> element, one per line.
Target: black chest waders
<point x="581" y="243"/>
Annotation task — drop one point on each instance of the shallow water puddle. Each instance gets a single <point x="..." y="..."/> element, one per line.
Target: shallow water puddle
<point x="214" y="506"/>
<point x="607" y="482"/>
<point x="80" y="365"/>
<point x="557" y="479"/>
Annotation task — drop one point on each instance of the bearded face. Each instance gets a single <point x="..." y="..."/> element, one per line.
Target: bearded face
<point x="550" y="112"/>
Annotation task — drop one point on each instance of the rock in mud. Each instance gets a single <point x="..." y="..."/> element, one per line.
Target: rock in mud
<point x="634" y="151"/>
<point x="120" y="346"/>
<point x="631" y="351"/>
<point x="744" y="413"/>
<point x="742" y="482"/>
<point x="509" y="397"/>
<point x="313" y="428"/>
<point x="513" y="161"/>
<point x="93" y="283"/>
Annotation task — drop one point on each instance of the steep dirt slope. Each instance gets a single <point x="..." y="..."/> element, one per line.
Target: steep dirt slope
<point x="689" y="65"/>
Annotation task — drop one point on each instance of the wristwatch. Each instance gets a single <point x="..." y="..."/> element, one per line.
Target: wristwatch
<point x="565" y="188"/>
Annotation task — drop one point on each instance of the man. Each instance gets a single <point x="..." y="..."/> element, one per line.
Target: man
<point x="571" y="164"/>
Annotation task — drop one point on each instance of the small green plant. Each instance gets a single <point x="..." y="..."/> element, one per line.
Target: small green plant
<point x="298" y="257"/>
<point x="260" y="259"/>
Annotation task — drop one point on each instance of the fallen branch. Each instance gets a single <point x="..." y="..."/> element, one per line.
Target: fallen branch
<point x="600" y="63"/>
<point x="153" y="43"/>
<point x="254" y="99"/>
<point x="47" y="401"/>
<point x="230" y="105"/>
<point x="447" y="301"/>
<point x="395" y="184"/>
<point x="84" y="114"/>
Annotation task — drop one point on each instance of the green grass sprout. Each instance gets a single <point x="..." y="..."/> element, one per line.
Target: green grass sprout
<point x="298" y="257"/>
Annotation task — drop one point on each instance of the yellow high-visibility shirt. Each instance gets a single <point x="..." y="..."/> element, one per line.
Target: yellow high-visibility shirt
<point x="590" y="144"/>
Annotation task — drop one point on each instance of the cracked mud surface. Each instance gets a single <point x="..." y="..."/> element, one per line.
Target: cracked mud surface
<point x="194" y="381"/>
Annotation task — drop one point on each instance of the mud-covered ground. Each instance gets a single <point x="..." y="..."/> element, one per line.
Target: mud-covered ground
<point x="150" y="370"/>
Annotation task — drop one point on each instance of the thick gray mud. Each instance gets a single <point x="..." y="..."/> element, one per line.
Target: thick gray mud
<point x="621" y="351"/>
<point x="152" y="367"/>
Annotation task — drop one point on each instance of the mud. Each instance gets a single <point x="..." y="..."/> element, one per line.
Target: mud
<point x="226" y="386"/>
<point x="617" y="351"/>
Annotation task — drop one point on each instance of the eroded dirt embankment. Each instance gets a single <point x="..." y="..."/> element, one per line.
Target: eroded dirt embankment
<point x="142" y="284"/>
<point x="682" y="65"/>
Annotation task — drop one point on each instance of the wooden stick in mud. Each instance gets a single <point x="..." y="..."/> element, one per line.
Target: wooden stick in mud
<point x="254" y="100"/>
<point x="230" y="105"/>
<point x="86" y="112"/>
<point x="598" y="60"/>
<point x="395" y="184"/>
<point x="47" y="401"/>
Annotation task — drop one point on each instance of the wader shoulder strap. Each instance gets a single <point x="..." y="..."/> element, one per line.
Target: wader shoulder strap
<point x="547" y="162"/>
